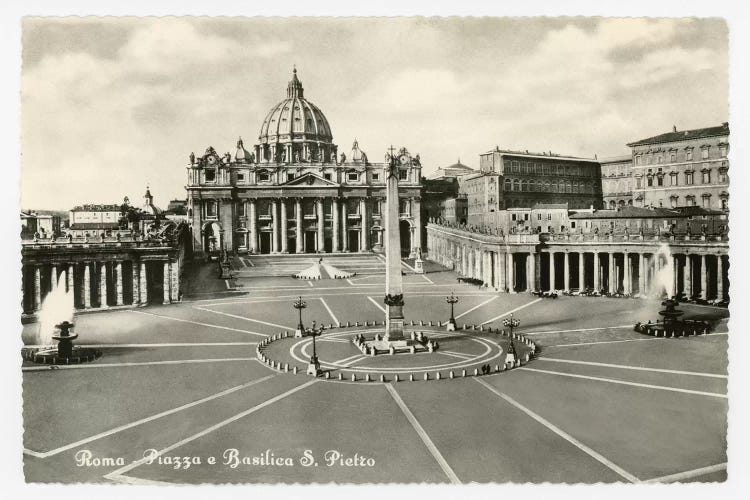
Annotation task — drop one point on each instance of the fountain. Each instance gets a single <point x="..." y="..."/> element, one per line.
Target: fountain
<point x="58" y="305"/>
<point x="671" y="325"/>
<point x="663" y="281"/>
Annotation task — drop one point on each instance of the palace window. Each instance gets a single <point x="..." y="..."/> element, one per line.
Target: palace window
<point x="706" y="179"/>
<point x="688" y="178"/>
<point x="241" y="178"/>
<point x="507" y="185"/>
<point x="704" y="152"/>
<point x="660" y="180"/>
<point x="352" y="177"/>
<point x="403" y="175"/>
<point x="673" y="178"/>
<point x="211" y="211"/>
<point x="673" y="201"/>
<point x="264" y="177"/>
<point x="376" y="177"/>
<point x="210" y="175"/>
<point x="724" y="204"/>
<point x="672" y="157"/>
<point x="706" y="200"/>
<point x="723" y="175"/>
<point x="723" y="150"/>
<point x="516" y="185"/>
<point x="649" y="181"/>
<point x="638" y="182"/>
<point x="690" y="201"/>
<point x="689" y="154"/>
<point x="538" y="216"/>
<point x="638" y="159"/>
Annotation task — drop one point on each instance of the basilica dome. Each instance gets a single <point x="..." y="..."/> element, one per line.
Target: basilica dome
<point x="295" y="119"/>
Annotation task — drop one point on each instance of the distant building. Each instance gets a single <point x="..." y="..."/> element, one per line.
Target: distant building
<point x="452" y="171"/>
<point x="682" y="168"/>
<point x="650" y="221"/>
<point x="40" y="225"/>
<point x="541" y="218"/>
<point x="617" y="181"/>
<point x="454" y="210"/>
<point x="92" y="220"/>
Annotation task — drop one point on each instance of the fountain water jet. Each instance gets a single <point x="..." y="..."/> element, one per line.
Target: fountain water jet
<point x="663" y="281"/>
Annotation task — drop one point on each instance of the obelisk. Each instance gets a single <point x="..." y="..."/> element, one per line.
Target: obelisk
<point x="394" y="293"/>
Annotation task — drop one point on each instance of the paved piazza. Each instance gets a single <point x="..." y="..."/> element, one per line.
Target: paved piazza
<point x="600" y="403"/>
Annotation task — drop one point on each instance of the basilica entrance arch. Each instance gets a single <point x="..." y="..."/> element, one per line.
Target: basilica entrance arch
<point x="404" y="227"/>
<point x="213" y="237"/>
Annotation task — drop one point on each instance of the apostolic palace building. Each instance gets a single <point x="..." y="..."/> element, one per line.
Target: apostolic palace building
<point x="295" y="192"/>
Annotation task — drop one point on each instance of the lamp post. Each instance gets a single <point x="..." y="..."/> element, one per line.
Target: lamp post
<point x="299" y="305"/>
<point x="451" y="325"/>
<point x="313" y="367"/>
<point x="511" y="322"/>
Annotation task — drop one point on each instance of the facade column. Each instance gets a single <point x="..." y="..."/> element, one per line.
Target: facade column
<point x="253" y="243"/>
<point x="704" y="280"/>
<point x="299" y="242"/>
<point x="37" y="287"/>
<point x="136" y="283"/>
<point x="118" y="271"/>
<point x="364" y="241"/>
<point x="597" y="273"/>
<point x="417" y="216"/>
<point x="86" y="285"/>
<point x="144" y="284"/>
<point x="336" y="225"/>
<point x="581" y="272"/>
<point x="566" y="269"/>
<point x="321" y="225"/>
<point x="551" y="271"/>
<point x="510" y="276"/>
<point x="275" y="226"/>
<point x="344" y="225"/>
<point x="103" y="286"/>
<point x="719" y="278"/>
<point x="284" y="229"/>
<point x="531" y="277"/>
<point x="165" y="284"/>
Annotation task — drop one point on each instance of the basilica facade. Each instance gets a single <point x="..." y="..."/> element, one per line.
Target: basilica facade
<point x="294" y="192"/>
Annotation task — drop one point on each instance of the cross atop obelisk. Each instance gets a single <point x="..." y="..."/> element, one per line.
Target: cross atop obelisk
<point x="394" y="293"/>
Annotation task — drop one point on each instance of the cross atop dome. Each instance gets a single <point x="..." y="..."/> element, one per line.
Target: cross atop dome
<point x="294" y="89"/>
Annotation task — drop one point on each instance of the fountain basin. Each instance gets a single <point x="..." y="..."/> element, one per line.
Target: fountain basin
<point x="51" y="356"/>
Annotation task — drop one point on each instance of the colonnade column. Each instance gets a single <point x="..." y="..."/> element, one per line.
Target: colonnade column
<point x="719" y="278"/>
<point x="641" y="274"/>
<point x="688" y="276"/>
<point x="345" y="225"/>
<point x="321" y="224"/>
<point x="364" y="224"/>
<point x="581" y="271"/>
<point x="531" y="275"/>
<point x="144" y="284"/>
<point x="551" y="271"/>
<point x="165" y="284"/>
<point x="627" y="286"/>
<point x="136" y="284"/>
<point x="704" y="280"/>
<point x="510" y="274"/>
<point x="274" y="226"/>
<point x="53" y="277"/>
<point x="103" y="286"/>
<point x="284" y="229"/>
<point x="597" y="272"/>
<point x="500" y="271"/>
<point x="37" y="287"/>
<point x="118" y="271"/>
<point x="253" y="243"/>
<point x="86" y="285"/>
<point x="478" y="264"/>
<point x="566" y="268"/>
<point x="336" y="224"/>
<point x="299" y="243"/>
<point x="612" y="273"/>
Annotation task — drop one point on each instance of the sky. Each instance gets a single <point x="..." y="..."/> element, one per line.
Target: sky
<point x="111" y="105"/>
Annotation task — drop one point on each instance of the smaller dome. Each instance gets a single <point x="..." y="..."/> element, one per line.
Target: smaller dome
<point x="242" y="155"/>
<point x="149" y="207"/>
<point x="357" y="155"/>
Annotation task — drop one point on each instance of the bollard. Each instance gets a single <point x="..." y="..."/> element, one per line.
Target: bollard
<point x="497" y="368"/>
<point x="476" y="372"/>
<point x="463" y="372"/>
<point x="295" y="370"/>
<point x="382" y="377"/>
<point x="437" y="376"/>
<point x="411" y="377"/>
<point x="395" y="378"/>
<point x="421" y="323"/>
<point x="341" y="376"/>
<point x="464" y="328"/>
<point x="451" y="374"/>
<point x="367" y="377"/>
<point x="328" y="375"/>
<point x="354" y="377"/>
<point x="426" y="376"/>
<point x="348" y="324"/>
<point x="338" y="323"/>
<point x="430" y="322"/>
